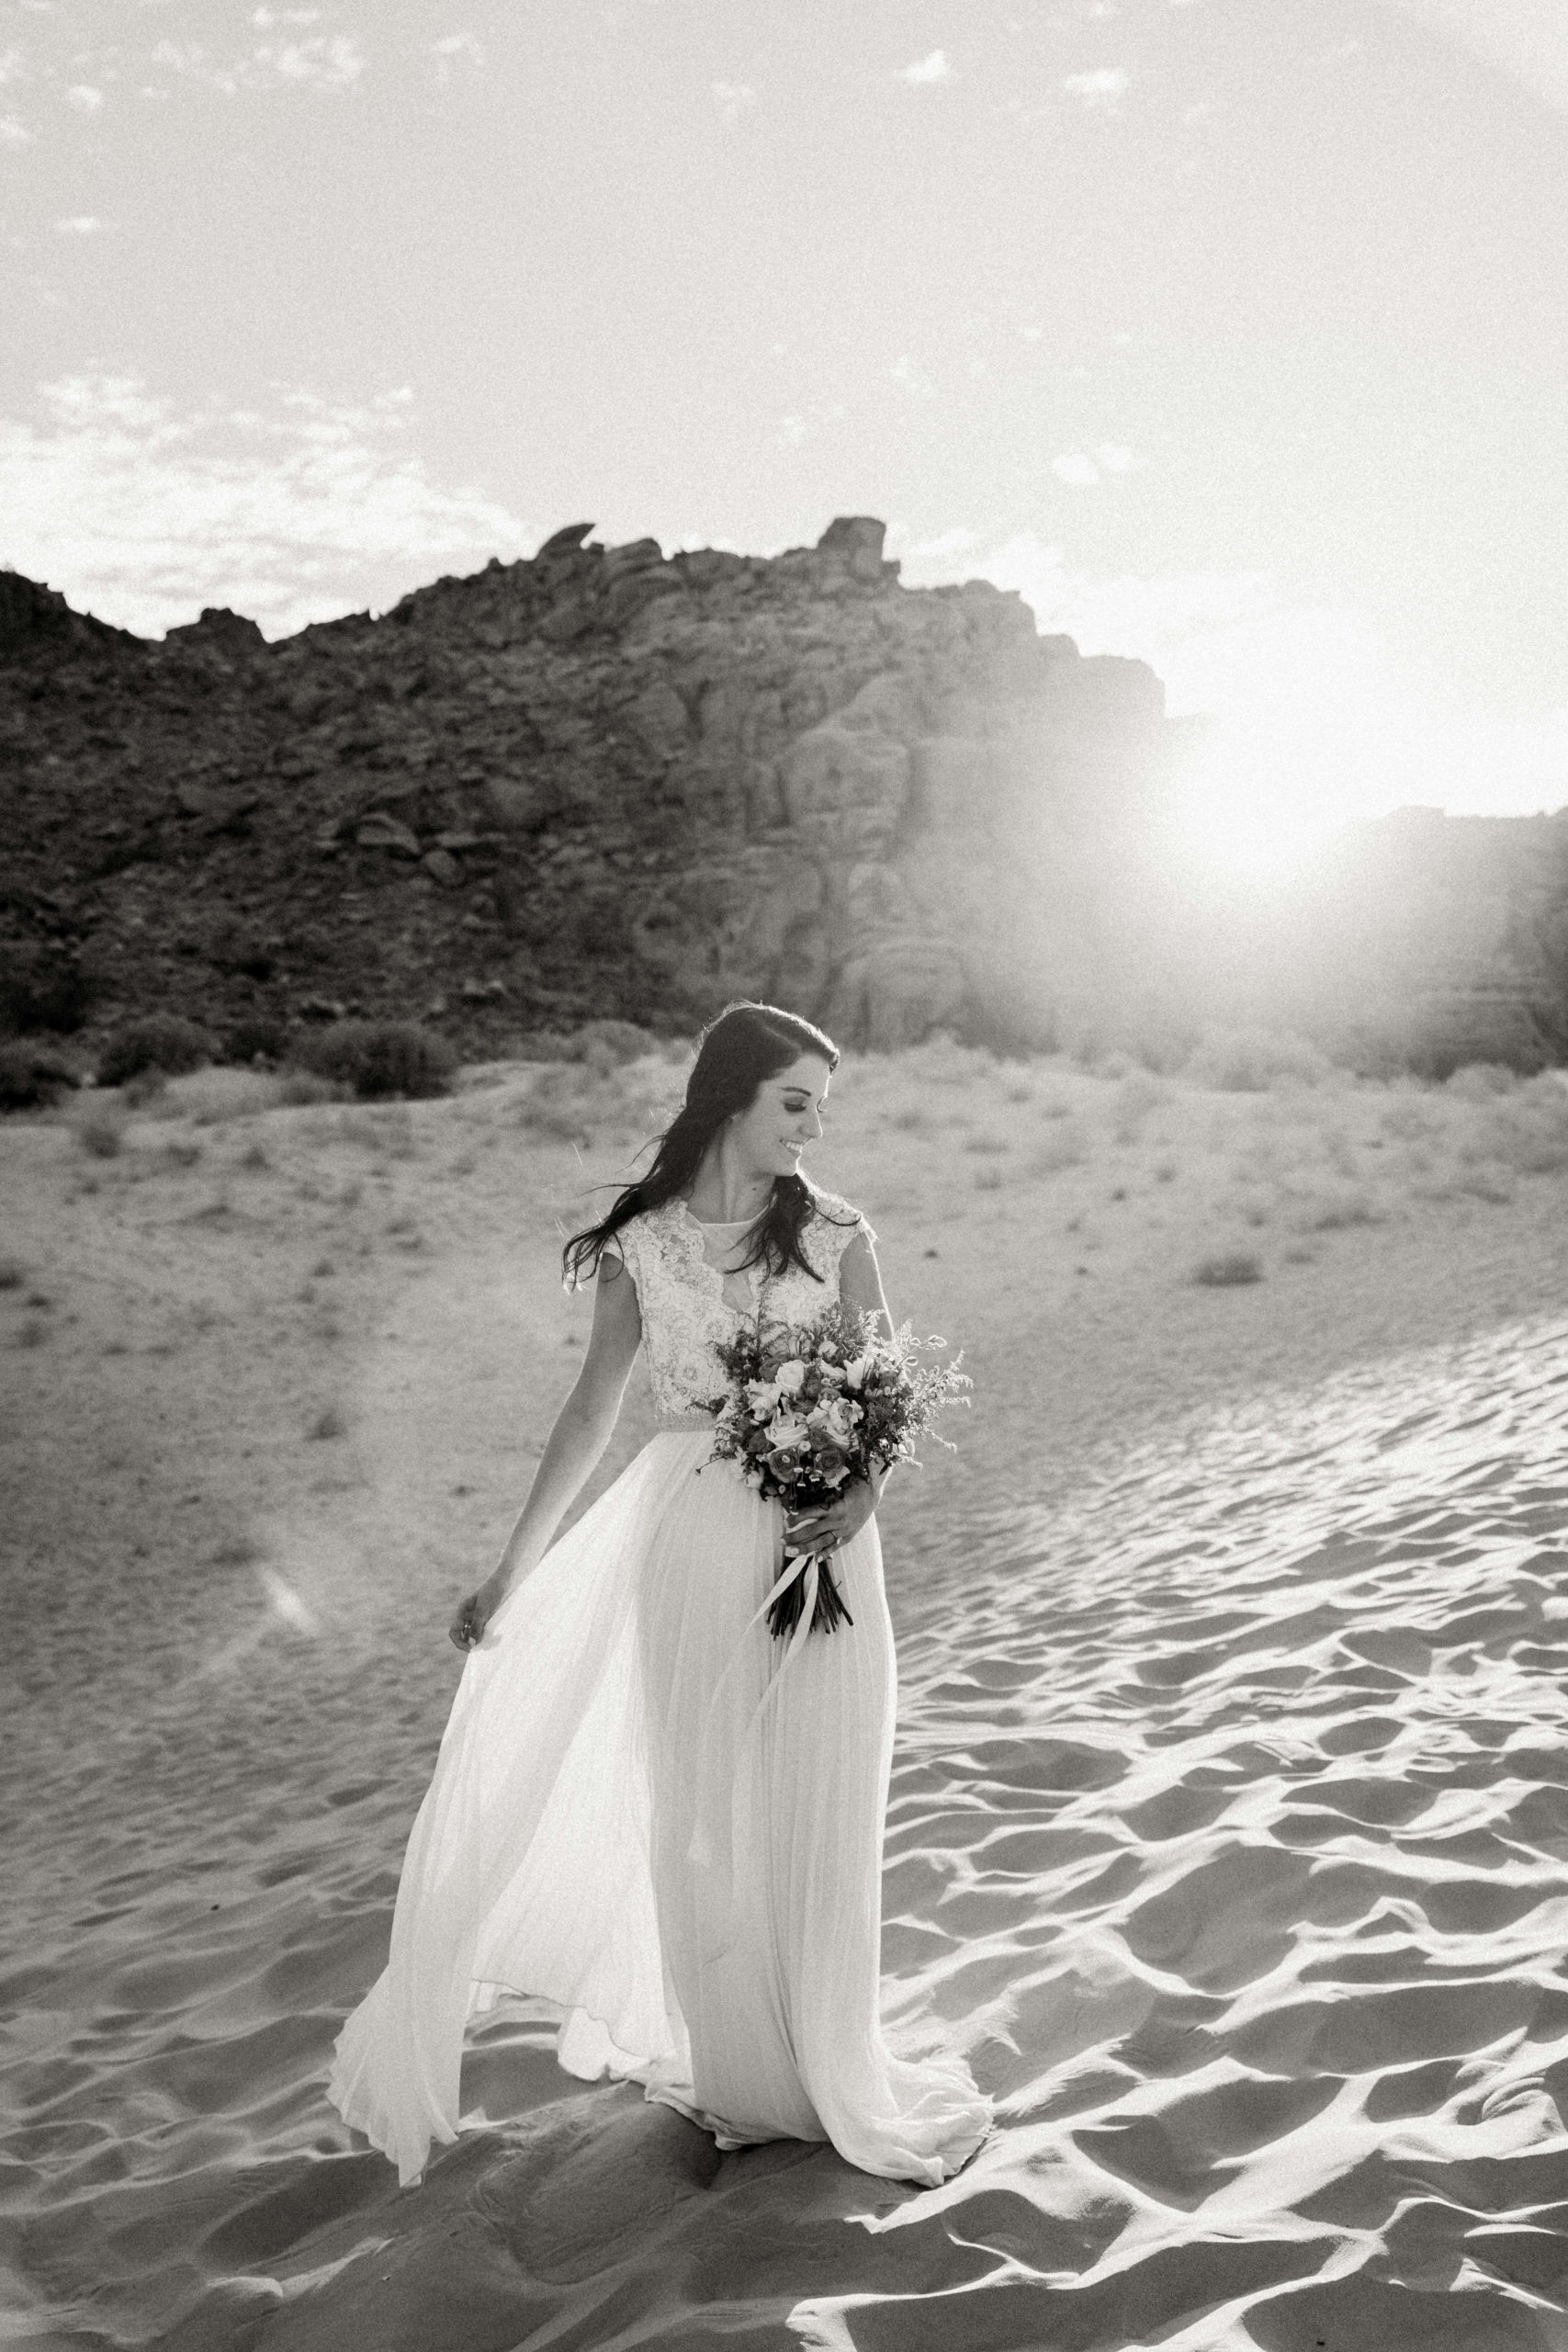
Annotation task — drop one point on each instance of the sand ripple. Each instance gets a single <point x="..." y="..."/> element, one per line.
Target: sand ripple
<point x="1229" y="1829"/>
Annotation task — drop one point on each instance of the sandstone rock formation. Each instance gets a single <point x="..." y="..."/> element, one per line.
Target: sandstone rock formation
<point x="600" y="781"/>
<point x="603" y="781"/>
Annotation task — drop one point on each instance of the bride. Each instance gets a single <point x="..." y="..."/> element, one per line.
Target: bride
<point x="644" y="1808"/>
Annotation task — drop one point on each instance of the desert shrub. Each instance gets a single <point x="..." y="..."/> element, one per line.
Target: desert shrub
<point x="211" y="1097"/>
<point x="1137" y="1096"/>
<point x="46" y="992"/>
<point x="940" y="1060"/>
<point x="1530" y="1128"/>
<point x="101" y="1131"/>
<point x="260" y="1040"/>
<point x="1111" y="1040"/>
<point x="567" y="1103"/>
<point x="575" y="1102"/>
<point x="1336" y="1211"/>
<point x="1484" y="1180"/>
<point x="1481" y="1081"/>
<point x="1250" y="1061"/>
<point x="605" y="1045"/>
<point x="159" y="1041"/>
<point x="1066" y="1149"/>
<point x="381" y="1058"/>
<point x="297" y="1088"/>
<point x="1227" y="1268"/>
<point x="30" y="1077"/>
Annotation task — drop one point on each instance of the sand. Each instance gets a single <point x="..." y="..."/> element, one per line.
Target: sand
<point x="1230" y="1814"/>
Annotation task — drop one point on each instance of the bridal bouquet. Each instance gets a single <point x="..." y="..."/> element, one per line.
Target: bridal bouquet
<point x="810" y="1408"/>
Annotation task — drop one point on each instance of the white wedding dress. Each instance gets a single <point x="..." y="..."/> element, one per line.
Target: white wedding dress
<point x="649" y="1811"/>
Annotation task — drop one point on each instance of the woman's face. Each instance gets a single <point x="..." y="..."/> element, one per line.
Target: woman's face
<point x="784" y="1117"/>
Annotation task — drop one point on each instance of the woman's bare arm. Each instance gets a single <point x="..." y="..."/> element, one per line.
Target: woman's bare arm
<point x="860" y="1282"/>
<point x="583" y="1429"/>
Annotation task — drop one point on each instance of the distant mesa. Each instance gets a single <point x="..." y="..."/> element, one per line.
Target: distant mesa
<point x="622" y="785"/>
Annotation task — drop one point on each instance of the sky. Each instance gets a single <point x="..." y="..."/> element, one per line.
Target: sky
<point x="1231" y="332"/>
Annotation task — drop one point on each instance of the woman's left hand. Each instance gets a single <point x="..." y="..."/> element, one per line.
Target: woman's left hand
<point x="830" y="1526"/>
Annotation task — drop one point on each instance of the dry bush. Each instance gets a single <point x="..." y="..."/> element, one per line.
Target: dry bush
<point x="605" y="1046"/>
<point x="32" y="1077"/>
<point x="1481" y="1081"/>
<point x="211" y="1097"/>
<point x="161" y="1041"/>
<point x="940" y="1060"/>
<point x="329" y="1423"/>
<point x="1067" y="1148"/>
<point x="101" y="1131"/>
<point x="298" y="1088"/>
<point x="1336" y="1211"/>
<point x="1251" y="1061"/>
<point x="257" y="1041"/>
<point x="1412" y="1116"/>
<point x="985" y="1144"/>
<point x="1530" y="1128"/>
<point x="379" y="1059"/>
<point x="988" y="1180"/>
<point x="1137" y="1096"/>
<point x="575" y="1102"/>
<point x="13" y="1274"/>
<point x="1227" y="1268"/>
<point x="1484" y="1180"/>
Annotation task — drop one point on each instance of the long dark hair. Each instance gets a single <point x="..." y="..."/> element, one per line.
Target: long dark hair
<point x="737" y="1053"/>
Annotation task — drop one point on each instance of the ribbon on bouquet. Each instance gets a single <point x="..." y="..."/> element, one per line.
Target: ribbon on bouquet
<point x="791" y="1607"/>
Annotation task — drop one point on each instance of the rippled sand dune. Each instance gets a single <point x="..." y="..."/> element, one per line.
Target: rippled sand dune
<point x="1229" y="1832"/>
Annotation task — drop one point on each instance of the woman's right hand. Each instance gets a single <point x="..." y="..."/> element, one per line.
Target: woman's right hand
<point x="467" y="1626"/>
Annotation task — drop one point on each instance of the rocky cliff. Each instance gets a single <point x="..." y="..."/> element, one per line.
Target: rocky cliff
<point x="605" y="783"/>
<point x="597" y="782"/>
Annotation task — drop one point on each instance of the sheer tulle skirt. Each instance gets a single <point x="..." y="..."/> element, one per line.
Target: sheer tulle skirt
<point x="650" y="1813"/>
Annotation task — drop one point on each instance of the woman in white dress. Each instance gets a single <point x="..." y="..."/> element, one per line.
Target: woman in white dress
<point x="646" y="1808"/>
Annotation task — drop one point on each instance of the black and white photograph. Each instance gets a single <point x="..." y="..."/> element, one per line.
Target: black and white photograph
<point x="783" y="1176"/>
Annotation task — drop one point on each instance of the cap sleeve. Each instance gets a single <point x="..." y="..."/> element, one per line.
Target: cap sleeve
<point x="835" y="1224"/>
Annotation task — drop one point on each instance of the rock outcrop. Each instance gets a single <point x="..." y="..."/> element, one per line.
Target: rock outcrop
<point x="604" y="782"/>
<point x="597" y="782"/>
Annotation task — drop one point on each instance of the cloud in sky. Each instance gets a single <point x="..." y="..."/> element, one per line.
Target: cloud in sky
<point x="286" y="512"/>
<point x="926" y="70"/>
<point x="454" y="51"/>
<point x="79" y="225"/>
<point x="1102" y="90"/>
<point x="1084" y="469"/>
<point x="84" y="97"/>
<point x="325" y="61"/>
<point x="733" y="98"/>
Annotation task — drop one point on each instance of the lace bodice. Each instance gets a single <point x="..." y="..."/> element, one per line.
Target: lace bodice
<point x="681" y="1294"/>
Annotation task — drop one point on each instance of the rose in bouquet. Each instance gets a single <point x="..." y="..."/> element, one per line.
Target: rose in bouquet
<point x="808" y="1408"/>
